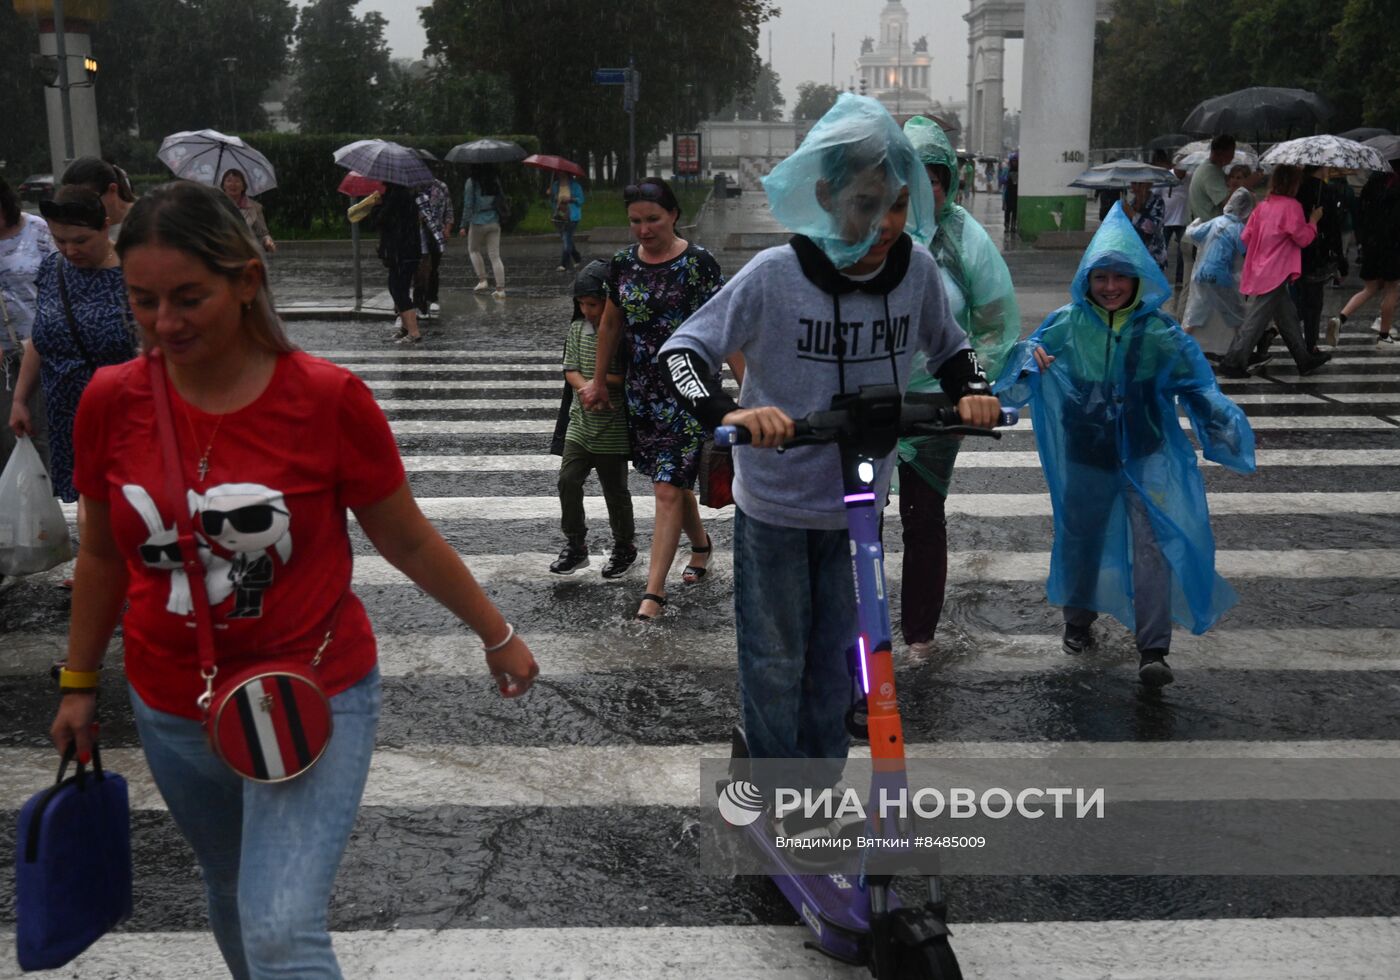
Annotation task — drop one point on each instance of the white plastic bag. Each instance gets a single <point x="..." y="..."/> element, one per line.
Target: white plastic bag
<point x="33" y="533"/>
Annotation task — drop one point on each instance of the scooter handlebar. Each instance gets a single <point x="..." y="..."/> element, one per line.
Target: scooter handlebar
<point x="914" y="417"/>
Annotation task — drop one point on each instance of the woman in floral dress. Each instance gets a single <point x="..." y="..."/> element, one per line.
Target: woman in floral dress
<point x="653" y="287"/>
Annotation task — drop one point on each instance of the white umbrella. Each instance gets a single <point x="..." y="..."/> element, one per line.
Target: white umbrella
<point x="205" y="155"/>
<point x="1192" y="155"/>
<point x="1326" y="151"/>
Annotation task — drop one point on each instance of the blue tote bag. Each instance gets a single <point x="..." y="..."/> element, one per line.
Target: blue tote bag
<point x="72" y="864"/>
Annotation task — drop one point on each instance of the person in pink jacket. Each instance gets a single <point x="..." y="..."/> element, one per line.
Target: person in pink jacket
<point x="1274" y="241"/>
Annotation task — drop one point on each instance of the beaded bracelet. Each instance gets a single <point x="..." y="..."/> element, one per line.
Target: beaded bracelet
<point x="510" y="635"/>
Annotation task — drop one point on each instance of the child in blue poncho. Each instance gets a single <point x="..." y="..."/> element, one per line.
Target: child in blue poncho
<point x="1104" y="376"/>
<point x="1215" y="309"/>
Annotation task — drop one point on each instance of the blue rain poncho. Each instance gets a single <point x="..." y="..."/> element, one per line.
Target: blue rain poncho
<point x="980" y="295"/>
<point x="1105" y="415"/>
<point x="844" y="178"/>
<point x="1215" y="309"/>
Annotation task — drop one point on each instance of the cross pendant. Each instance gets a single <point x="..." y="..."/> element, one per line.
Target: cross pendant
<point x="203" y="467"/>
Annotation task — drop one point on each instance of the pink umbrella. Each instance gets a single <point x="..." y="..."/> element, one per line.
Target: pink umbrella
<point x="559" y="164"/>
<point x="356" y="184"/>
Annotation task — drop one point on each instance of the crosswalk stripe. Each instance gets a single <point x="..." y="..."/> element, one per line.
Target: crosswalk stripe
<point x="1313" y="649"/>
<point x="1312" y="380"/>
<point x="632" y="775"/>
<point x="1355" y="948"/>
<point x="978" y="566"/>
<point x="414" y="427"/>
<point x="465" y="404"/>
<point x="967" y="459"/>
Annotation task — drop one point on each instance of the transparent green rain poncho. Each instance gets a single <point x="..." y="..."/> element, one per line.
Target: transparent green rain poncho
<point x="844" y="178"/>
<point x="980" y="294"/>
<point x="1105" y="416"/>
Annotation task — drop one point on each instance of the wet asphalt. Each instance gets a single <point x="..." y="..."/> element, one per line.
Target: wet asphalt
<point x="463" y="866"/>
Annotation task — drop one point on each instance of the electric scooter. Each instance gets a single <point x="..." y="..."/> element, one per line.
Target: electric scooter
<point x="863" y="921"/>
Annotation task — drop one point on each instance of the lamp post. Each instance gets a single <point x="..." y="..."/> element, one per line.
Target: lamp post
<point x="231" y="63"/>
<point x="60" y="48"/>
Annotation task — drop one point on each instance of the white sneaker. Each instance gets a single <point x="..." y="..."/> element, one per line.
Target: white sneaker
<point x="481" y="287"/>
<point x="499" y="294"/>
<point x="1376" y="325"/>
<point x="434" y="309"/>
<point x="560" y="268"/>
<point x="1334" y="329"/>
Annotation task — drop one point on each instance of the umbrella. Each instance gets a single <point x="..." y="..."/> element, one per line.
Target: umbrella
<point x="1168" y="142"/>
<point x="1121" y="173"/>
<point x="1192" y="155"/>
<point x="357" y="184"/>
<point x="424" y="154"/>
<point x="386" y="161"/>
<point x="486" y="151"/>
<point x="1259" y="109"/>
<point x="1387" y="146"/>
<point x="1325" y="151"/>
<point x="1363" y="133"/>
<point x="205" y="155"/>
<point x="546" y="162"/>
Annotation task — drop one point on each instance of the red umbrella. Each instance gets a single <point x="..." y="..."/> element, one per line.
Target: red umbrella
<point x="357" y="184"/>
<point x="547" y="162"/>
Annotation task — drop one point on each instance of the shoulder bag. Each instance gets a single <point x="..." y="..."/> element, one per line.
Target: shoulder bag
<point x="269" y="721"/>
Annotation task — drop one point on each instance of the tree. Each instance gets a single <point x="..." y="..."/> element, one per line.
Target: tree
<point x="342" y="69"/>
<point x="762" y="101"/>
<point x="168" y="65"/>
<point x="427" y="97"/>
<point x="24" y="143"/>
<point x="545" y="53"/>
<point x="814" y="100"/>
<point x="1366" y="68"/>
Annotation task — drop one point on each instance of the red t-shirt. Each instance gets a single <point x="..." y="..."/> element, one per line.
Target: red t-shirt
<point x="270" y="515"/>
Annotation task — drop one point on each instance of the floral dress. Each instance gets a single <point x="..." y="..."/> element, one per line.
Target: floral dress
<point x="655" y="299"/>
<point x="108" y="335"/>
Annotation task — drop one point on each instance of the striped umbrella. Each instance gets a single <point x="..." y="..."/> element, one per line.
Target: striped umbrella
<point x="384" y="160"/>
<point x="1325" y="151"/>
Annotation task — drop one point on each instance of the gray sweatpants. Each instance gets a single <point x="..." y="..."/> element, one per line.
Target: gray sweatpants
<point x="1273" y="307"/>
<point x="1152" y="583"/>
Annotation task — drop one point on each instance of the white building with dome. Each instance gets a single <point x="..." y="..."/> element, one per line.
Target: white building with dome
<point x="895" y="68"/>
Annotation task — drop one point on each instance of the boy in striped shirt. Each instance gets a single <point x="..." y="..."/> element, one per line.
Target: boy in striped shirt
<point x="594" y="440"/>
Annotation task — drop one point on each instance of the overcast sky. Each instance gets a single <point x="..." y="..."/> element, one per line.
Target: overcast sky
<point x="801" y="41"/>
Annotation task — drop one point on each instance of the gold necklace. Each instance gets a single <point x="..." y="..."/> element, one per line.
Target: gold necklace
<point x="208" y="447"/>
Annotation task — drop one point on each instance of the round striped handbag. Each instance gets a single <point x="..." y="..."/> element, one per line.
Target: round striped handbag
<point x="269" y="721"/>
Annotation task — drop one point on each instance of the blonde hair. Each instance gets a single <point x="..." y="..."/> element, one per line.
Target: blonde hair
<point x="203" y="223"/>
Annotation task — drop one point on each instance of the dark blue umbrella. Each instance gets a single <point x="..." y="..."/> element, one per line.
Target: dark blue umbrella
<point x="384" y="160"/>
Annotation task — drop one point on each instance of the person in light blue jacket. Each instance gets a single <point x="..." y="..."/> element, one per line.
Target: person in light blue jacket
<point x="1104" y="375"/>
<point x="481" y="223"/>
<point x="566" y="210"/>
<point x="1215" y="309"/>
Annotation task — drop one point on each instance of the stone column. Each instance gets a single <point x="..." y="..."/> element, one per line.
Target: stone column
<point x="82" y="101"/>
<point x="989" y="83"/>
<point x="1056" y="98"/>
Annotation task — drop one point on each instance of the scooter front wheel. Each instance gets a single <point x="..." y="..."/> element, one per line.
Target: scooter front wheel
<point x="930" y="960"/>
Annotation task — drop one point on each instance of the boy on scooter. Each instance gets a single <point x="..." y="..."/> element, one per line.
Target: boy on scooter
<point x="848" y="302"/>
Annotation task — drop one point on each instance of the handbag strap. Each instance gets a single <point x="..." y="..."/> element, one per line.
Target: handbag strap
<point x="70" y="319"/>
<point x="175" y="490"/>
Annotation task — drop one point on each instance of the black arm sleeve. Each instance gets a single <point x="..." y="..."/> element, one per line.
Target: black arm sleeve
<point x="690" y="380"/>
<point x="961" y="375"/>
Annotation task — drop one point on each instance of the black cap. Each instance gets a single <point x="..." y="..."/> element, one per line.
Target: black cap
<point x="592" y="280"/>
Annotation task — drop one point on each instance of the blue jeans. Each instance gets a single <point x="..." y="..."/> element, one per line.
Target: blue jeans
<point x="568" y="254"/>
<point x="268" y="852"/>
<point x="795" y="612"/>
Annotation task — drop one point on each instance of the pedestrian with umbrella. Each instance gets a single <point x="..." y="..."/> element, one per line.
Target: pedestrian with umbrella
<point x="235" y="186"/>
<point x="1274" y="240"/>
<point x="1378" y="233"/>
<point x="566" y="200"/>
<point x="482" y="204"/>
<point x="400" y="245"/>
<point x="207" y="156"/>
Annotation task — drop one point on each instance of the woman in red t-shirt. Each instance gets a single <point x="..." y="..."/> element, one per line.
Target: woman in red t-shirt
<point x="276" y="446"/>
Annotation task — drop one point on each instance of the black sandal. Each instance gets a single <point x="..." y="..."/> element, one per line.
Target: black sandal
<point x="660" y="600"/>
<point x="694" y="573"/>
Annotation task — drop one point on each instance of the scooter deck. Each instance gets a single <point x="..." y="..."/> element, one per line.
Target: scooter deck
<point x="835" y="907"/>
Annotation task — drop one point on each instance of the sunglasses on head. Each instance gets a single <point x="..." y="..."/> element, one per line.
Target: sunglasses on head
<point x="253" y="519"/>
<point x="633" y="193"/>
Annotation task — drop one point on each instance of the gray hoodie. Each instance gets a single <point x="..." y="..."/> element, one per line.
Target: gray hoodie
<point x="783" y="325"/>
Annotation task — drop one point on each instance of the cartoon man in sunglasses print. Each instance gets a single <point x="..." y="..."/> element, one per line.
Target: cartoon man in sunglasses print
<point x="250" y="522"/>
